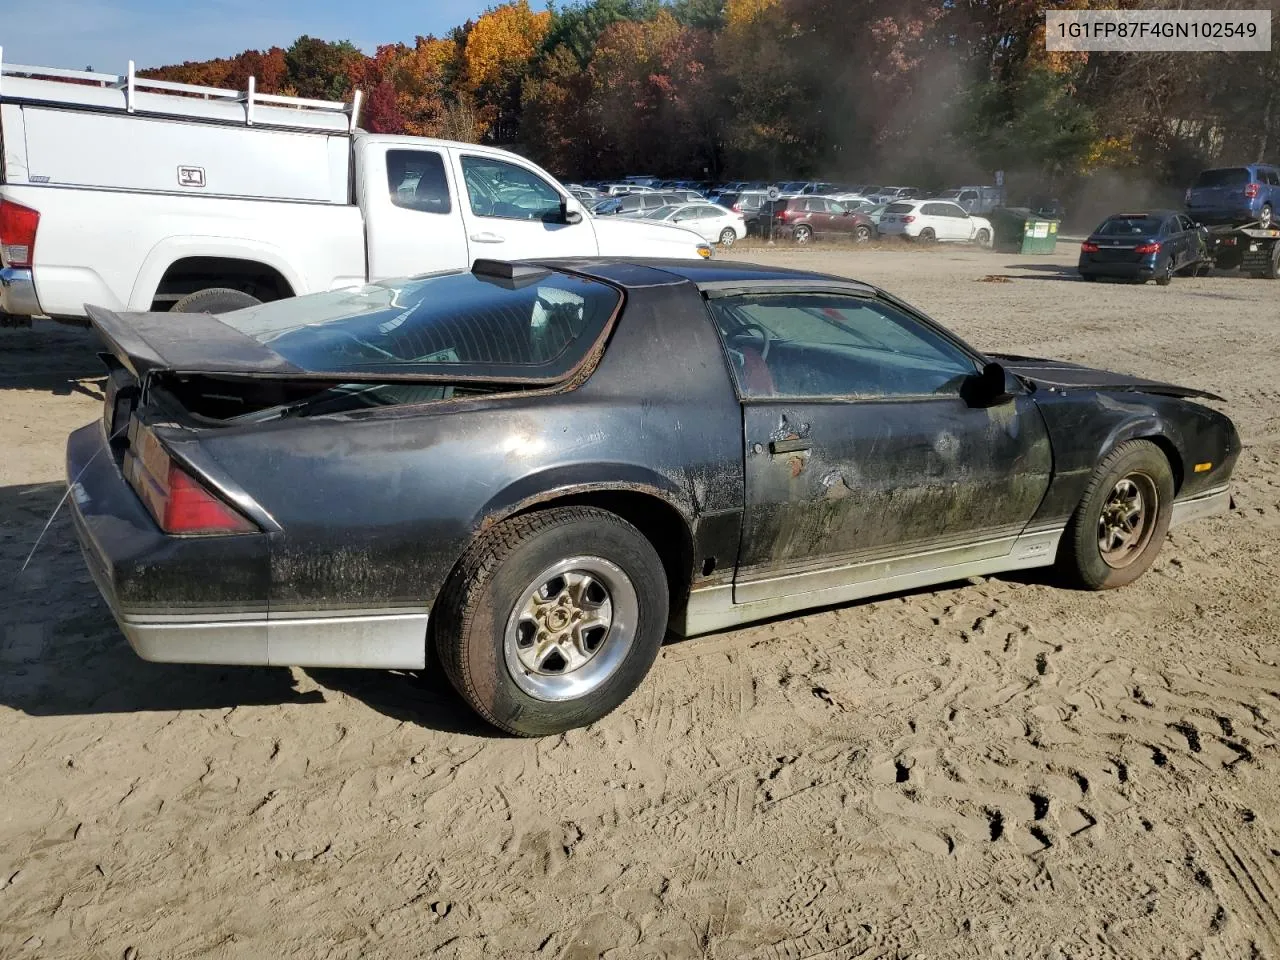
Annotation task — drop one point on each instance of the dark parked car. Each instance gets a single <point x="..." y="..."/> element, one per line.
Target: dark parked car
<point x="1236" y="195"/>
<point x="1144" y="246"/>
<point x="803" y="219"/>
<point x="540" y="467"/>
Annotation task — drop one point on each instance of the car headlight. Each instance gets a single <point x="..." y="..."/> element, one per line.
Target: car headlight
<point x="704" y="251"/>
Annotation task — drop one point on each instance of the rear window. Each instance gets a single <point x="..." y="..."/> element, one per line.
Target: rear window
<point x="456" y="326"/>
<point x="899" y="208"/>
<point x="1225" y="177"/>
<point x="1129" y="227"/>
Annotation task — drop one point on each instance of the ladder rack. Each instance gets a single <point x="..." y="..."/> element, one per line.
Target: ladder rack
<point x="134" y="94"/>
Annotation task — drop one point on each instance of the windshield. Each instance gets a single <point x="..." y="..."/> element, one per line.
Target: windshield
<point x="1225" y="177"/>
<point x="1129" y="227"/>
<point x="455" y="326"/>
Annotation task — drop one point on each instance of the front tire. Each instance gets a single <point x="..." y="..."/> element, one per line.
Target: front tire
<point x="1117" y="530"/>
<point x="862" y="234"/>
<point x="1266" y="216"/>
<point x="214" y="300"/>
<point x="552" y="619"/>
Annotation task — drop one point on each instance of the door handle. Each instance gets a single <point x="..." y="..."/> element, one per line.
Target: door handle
<point x="788" y="446"/>
<point x="487" y="237"/>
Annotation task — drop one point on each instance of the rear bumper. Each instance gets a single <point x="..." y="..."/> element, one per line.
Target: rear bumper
<point x="1211" y="503"/>
<point x="134" y="564"/>
<point x="1221" y="215"/>
<point x="18" y="293"/>
<point x="1132" y="271"/>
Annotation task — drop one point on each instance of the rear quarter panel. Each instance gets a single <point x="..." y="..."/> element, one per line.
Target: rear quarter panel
<point x="375" y="509"/>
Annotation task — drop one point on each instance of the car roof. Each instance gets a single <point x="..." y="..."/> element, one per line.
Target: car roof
<point x="1142" y="214"/>
<point x="628" y="272"/>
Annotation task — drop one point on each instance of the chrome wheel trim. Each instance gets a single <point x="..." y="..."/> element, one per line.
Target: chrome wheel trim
<point x="727" y="237"/>
<point x="1265" y="216"/>
<point x="1127" y="519"/>
<point x="571" y="628"/>
<point x="803" y="234"/>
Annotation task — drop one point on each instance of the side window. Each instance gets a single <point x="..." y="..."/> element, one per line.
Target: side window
<point x="1272" y="176"/>
<point x="934" y="210"/>
<point x="500" y="189"/>
<point x="827" y="345"/>
<point x="653" y="201"/>
<point x="952" y="210"/>
<point x="417" y="181"/>
<point x="968" y="195"/>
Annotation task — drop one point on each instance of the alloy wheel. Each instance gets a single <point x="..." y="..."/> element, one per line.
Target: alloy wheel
<point x="571" y="628"/>
<point x="1126" y="520"/>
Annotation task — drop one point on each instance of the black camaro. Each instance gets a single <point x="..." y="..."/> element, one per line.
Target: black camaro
<point x="539" y="468"/>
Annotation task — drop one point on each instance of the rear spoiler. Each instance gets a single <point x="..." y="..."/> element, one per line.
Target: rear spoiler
<point x="184" y="343"/>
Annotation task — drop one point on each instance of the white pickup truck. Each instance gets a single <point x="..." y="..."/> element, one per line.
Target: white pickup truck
<point x="136" y="194"/>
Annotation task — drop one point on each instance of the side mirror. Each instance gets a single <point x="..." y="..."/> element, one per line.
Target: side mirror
<point x="569" y="214"/>
<point x="990" y="388"/>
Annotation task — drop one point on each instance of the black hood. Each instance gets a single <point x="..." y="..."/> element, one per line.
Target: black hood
<point x="1059" y="373"/>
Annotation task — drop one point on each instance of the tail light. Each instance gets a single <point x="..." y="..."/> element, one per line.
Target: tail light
<point x="18" y="225"/>
<point x="1088" y="247"/>
<point x="178" y="502"/>
<point x="909" y="218"/>
<point x="1145" y="248"/>
<point x="1251" y="190"/>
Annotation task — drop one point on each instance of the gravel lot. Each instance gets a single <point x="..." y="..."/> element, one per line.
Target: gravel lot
<point x="996" y="768"/>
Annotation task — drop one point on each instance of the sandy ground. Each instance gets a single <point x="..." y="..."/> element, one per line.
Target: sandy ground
<point x="996" y="768"/>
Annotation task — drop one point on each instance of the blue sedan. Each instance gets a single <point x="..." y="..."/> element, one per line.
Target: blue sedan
<point x="1144" y="246"/>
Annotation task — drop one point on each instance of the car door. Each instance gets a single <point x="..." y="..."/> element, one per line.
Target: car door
<point x="513" y="213"/>
<point x="1172" y="237"/>
<point x="934" y="217"/>
<point x="863" y="460"/>
<point x="411" y="211"/>
<point x="957" y="222"/>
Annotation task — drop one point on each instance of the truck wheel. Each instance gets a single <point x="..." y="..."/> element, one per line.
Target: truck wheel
<point x="1116" y="531"/>
<point x="214" y="300"/>
<point x="552" y="619"/>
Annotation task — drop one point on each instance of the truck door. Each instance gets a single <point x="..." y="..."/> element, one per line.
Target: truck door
<point x="412" y="219"/>
<point x="510" y="212"/>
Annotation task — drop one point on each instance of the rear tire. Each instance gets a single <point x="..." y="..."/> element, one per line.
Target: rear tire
<point x="727" y="237"/>
<point x="1265" y="216"/>
<point x="803" y="234"/>
<point x="983" y="239"/>
<point x="214" y="300"/>
<point x="515" y="587"/>
<point x="1165" y="276"/>
<point x="1136" y="465"/>
<point x="927" y="235"/>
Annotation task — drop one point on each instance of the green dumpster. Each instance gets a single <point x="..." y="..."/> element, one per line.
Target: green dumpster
<point x="1019" y="230"/>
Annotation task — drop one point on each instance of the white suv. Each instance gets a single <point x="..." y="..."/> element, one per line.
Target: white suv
<point x="930" y="220"/>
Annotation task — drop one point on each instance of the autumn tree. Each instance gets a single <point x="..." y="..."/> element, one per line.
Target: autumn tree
<point x="497" y="52"/>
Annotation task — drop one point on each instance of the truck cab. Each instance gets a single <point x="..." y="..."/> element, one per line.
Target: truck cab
<point x="210" y="200"/>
